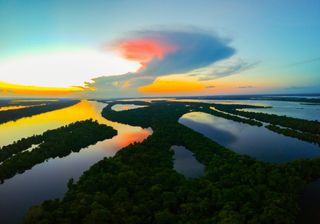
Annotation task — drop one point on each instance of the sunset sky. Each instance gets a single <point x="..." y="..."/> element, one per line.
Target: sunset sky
<point x="123" y="48"/>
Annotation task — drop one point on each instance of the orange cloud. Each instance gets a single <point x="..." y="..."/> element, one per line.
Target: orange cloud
<point x="8" y="89"/>
<point x="144" y="50"/>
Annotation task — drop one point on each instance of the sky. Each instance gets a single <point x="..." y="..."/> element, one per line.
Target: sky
<point x="123" y="48"/>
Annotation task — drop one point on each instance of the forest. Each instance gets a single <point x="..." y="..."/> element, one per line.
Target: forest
<point x="293" y="127"/>
<point x="24" y="102"/>
<point x="16" y="158"/>
<point x="312" y="127"/>
<point x="313" y="138"/>
<point x="12" y="115"/>
<point x="139" y="184"/>
<point x="299" y="99"/>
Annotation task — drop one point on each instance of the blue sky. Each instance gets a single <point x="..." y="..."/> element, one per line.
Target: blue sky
<point x="280" y="37"/>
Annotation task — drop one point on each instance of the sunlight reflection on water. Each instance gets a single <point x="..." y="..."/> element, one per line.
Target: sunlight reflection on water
<point x="49" y="179"/>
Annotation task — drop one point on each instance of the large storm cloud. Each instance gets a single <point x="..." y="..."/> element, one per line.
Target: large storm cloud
<point x="163" y="52"/>
<point x="169" y="52"/>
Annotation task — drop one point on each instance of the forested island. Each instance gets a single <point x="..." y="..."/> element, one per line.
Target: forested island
<point x="17" y="158"/>
<point x="15" y="114"/>
<point x="25" y="102"/>
<point x="293" y="127"/>
<point x="139" y="184"/>
<point x="311" y="99"/>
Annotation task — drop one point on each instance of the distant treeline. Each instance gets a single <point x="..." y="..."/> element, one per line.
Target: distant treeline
<point x="12" y="115"/>
<point x="312" y="127"/>
<point x="312" y="98"/>
<point x="24" y="102"/>
<point x="135" y="102"/>
<point x="291" y="99"/>
<point x="293" y="127"/>
<point x="16" y="158"/>
<point x="140" y="186"/>
<point x="295" y="134"/>
<point x="232" y="117"/>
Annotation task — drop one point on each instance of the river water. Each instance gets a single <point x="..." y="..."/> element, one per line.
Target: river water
<point x="49" y="179"/>
<point x="254" y="141"/>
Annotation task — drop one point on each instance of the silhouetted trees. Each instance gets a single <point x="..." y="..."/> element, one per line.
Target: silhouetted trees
<point x="54" y="143"/>
<point x="139" y="184"/>
<point x="312" y="127"/>
<point x="12" y="115"/>
<point x="308" y="137"/>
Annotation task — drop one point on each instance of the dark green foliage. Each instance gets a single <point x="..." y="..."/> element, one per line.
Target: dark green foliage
<point x="139" y="184"/>
<point x="312" y="127"/>
<point x="295" y="134"/>
<point x="19" y="146"/>
<point x="231" y="117"/>
<point x="291" y="99"/>
<point x="54" y="143"/>
<point x="135" y="102"/>
<point x="24" y="102"/>
<point x="12" y="115"/>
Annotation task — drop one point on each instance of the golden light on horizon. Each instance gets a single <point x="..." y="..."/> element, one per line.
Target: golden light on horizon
<point x="172" y="85"/>
<point x="8" y="89"/>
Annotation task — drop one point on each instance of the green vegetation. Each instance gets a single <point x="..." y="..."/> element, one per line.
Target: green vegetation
<point x="54" y="143"/>
<point x="295" y="134"/>
<point x="12" y="115"/>
<point x="139" y="184"/>
<point x="312" y="127"/>
<point x="19" y="146"/>
<point x="291" y="99"/>
<point x="135" y="102"/>
<point x="24" y="102"/>
<point x="231" y="117"/>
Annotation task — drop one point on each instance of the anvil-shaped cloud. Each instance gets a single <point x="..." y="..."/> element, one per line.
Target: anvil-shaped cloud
<point x="162" y="53"/>
<point x="165" y="52"/>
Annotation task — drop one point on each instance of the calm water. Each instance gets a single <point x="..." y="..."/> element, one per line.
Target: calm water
<point x="262" y="144"/>
<point x="121" y="107"/>
<point x="185" y="163"/>
<point x="290" y="109"/>
<point x="257" y="142"/>
<point x="48" y="180"/>
<point x="5" y="108"/>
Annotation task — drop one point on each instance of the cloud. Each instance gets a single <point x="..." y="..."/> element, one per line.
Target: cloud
<point x="162" y="53"/>
<point x="166" y="52"/>
<point x="144" y="50"/>
<point x="223" y="68"/>
<point x="304" y="62"/>
<point x="116" y="86"/>
<point x="246" y="87"/>
<point x="297" y="89"/>
<point x="210" y="87"/>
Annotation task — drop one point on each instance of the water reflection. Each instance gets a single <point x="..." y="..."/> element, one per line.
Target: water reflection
<point x="121" y="107"/>
<point x="185" y="163"/>
<point x="38" y="124"/>
<point x="48" y="180"/>
<point x="258" y="142"/>
<point x="6" y="108"/>
<point x="290" y="109"/>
